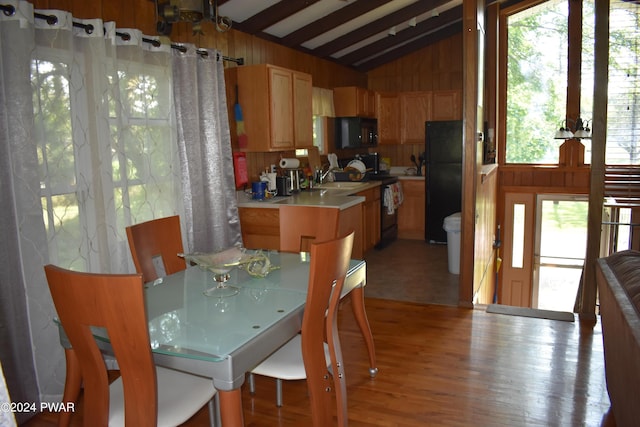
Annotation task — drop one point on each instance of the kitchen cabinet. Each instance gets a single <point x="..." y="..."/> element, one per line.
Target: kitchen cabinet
<point x="353" y="101"/>
<point x="302" y="110"/>
<point x="260" y="228"/>
<point x="415" y="110"/>
<point x="276" y="107"/>
<point x="446" y="105"/>
<point x="370" y="218"/>
<point x="411" y="213"/>
<point x="402" y="115"/>
<point x="388" y="118"/>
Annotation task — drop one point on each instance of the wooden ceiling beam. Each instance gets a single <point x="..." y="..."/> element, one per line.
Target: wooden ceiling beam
<point x="375" y="27"/>
<point x="424" y="28"/>
<point x="272" y="15"/>
<point x="331" y="21"/>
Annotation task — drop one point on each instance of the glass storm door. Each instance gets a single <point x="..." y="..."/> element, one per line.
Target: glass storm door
<point x="560" y="248"/>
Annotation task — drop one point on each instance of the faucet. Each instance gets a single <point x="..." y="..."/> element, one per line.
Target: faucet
<point x="321" y="176"/>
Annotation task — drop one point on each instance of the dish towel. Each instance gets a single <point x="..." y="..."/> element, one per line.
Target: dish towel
<point x="393" y="197"/>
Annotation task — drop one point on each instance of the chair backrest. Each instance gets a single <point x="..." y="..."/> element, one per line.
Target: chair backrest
<point x="302" y="225"/>
<point x="115" y="302"/>
<point x="328" y="269"/>
<point x="158" y="241"/>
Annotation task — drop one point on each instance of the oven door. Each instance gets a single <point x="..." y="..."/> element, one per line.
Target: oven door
<point x="388" y="222"/>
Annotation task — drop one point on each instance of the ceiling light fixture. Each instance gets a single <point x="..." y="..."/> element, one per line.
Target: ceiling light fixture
<point x="435" y="13"/>
<point x="169" y="12"/>
<point x="412" y="22"/>
<point x="392" y="31"/>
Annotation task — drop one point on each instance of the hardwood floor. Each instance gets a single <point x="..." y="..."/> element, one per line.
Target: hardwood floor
<point x="447" y="366"/>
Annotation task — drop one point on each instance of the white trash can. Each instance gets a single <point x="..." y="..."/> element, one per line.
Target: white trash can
<point x="452" y="225"/>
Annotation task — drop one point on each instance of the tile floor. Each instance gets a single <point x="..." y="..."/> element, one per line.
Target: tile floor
<point x="411" y="270"/>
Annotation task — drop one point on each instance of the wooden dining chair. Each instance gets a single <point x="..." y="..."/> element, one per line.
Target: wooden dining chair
<point x="143" y="395"/>
<point x="155" y="246"/>
<point x="299" y="227"/>
<point x="302" y="225"/>
<point x="316" y="350"/>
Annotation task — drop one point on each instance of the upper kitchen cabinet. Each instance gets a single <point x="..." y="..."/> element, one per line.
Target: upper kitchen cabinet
<point x="446" y="105"/>
<point x="402" y="115"/>
<point x="302" y="110"/>
<point x="353" y="101"/>
<point x="415" y="110"/>
<point x="276" y="107"/>
<point x="388" y="118"/>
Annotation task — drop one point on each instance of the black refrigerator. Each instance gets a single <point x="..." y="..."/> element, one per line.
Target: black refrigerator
<point x="443" y="176"/>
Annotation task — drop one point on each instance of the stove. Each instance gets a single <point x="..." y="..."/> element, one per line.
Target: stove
<point x="383" y="177"/>
<point x="388" y="222"/>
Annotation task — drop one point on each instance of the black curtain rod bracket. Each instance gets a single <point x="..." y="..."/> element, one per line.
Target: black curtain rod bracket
<point x="9" y="10"/>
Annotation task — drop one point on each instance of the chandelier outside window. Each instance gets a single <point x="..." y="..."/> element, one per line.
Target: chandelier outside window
<point x="580" y="131"/>
<point x="194" y="11"/>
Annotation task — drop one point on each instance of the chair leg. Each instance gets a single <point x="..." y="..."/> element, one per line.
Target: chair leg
<point x="252" y="383"/>
<point x="278" y="392"/>
<point x="214" y="412"/>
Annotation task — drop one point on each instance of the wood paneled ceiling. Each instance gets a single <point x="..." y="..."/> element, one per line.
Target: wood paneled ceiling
<point x="361" y="34"/>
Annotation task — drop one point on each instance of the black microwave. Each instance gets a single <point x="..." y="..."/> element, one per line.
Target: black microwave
<point x="356" y="132"/>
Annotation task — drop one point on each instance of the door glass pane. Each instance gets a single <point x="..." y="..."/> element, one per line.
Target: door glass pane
<point x="563" y="245"/>
<point x="517" y="256"/>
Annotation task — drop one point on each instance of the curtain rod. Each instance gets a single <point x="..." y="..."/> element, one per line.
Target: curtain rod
<point x="9" y="10"/>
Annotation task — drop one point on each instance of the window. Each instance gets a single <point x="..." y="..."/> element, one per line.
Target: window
<point x="106" y="151"/>
<point x="322" y="108"/>
<point x="536" y="81"/>
<point x="623" y="108"/>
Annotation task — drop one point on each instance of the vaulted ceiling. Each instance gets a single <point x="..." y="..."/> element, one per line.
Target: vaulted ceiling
<point x="361" y="34"/>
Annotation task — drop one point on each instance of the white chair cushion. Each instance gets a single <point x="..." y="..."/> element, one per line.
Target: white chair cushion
<point x="286" y="363"/>
<point x="180" y="396"/>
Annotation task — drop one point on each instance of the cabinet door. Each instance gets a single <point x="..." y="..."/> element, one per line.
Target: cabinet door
<point x="303" y="110"/>
<point x="260" y="228"/>
<point x="388" y="118"/>
<point x="353" y="101"/>
<point x="281" y="108"/>
<point x="415" y="110"/>
<point x="366" y="102"/>
<point x="370" y="218"/>
<point x="447" y="105"/>
<point x="345" y="101"/>
<point x="370" y="109"/>
<point x="411" y="214"/>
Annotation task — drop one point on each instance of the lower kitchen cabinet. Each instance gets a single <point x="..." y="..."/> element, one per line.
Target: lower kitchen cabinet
<point x="370" y="218"/>
<point x="351" y="219"/>
<point x="261" y="227"/>
<point x="412" y="212"/>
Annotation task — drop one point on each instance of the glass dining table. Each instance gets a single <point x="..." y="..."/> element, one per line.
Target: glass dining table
<point x="223" y="338"/>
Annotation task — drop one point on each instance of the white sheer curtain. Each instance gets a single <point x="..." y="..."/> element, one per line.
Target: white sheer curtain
<point x="23" y="244"/>
<point x="211" y="210"/>
<point x="88" y="146"/>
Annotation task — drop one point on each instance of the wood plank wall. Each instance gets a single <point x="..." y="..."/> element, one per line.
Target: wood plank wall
<point x="435" y="67"/>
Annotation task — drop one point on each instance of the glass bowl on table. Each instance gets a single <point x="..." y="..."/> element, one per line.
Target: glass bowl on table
<point x="220" y="264"/>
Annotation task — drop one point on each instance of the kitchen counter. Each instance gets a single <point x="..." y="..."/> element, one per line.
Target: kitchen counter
<point x="330" y="195"/>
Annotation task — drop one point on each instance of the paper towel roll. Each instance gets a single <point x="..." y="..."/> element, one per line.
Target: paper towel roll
<point x="289" y="163"/>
